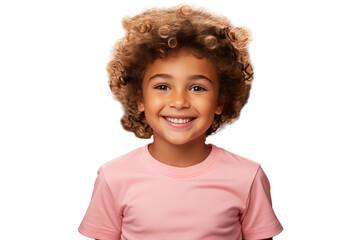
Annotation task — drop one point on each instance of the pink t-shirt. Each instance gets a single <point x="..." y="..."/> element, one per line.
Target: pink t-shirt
<point x="223" y="197"/>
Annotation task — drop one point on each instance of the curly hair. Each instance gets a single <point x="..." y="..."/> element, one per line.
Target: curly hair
<point x="157" y="33"/>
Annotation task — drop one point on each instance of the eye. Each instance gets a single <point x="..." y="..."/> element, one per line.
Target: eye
<point x="162" y="87"/>
<point x="197" y="89"/>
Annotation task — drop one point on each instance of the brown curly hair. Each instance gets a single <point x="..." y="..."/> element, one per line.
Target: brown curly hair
<point x="157" y="33"/>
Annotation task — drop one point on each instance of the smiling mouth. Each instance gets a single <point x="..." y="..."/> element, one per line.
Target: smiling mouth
<point x="179" y="120"/>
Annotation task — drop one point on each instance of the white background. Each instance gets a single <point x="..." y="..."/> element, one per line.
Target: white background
<point x="59" y="121"/>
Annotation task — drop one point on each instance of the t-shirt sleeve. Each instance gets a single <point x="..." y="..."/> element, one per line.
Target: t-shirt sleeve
<point x="259" y="220"/>
<point x="102" y="219"/>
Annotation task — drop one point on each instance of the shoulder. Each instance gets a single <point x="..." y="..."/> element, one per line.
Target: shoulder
<point x="239" y="169"/>
<point x="237" y="161"/>
<point x="121" y="166"/>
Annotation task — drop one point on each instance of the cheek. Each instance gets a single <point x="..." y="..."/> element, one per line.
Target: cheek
<point x="157" y="101"/>
<point x="206" y="104"/>
<point x="153" y="103"/>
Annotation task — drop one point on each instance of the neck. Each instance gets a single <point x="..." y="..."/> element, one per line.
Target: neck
<point x="183" y="155"/>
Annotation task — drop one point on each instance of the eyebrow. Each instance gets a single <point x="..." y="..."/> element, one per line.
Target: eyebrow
<point x="192" y="77"/>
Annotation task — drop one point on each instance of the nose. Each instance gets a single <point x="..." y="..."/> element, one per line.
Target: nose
<point x="179" y="100"/>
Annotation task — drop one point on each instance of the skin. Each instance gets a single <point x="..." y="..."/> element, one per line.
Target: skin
<point x="182" y="87"/>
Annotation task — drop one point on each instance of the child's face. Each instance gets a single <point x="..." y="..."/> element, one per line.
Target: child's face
<point x="180" y="97"/>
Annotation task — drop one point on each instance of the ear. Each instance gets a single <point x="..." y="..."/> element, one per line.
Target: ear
<point x="220" y="106"/>
<point x="140" y="103"/>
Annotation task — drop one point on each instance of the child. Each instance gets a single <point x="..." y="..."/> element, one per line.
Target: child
<point x="180" y="74"/>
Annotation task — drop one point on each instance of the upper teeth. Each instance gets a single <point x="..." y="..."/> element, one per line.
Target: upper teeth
<point x="178" y="120"/>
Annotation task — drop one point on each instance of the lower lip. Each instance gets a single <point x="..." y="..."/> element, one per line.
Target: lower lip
<point x="179" y="125"/>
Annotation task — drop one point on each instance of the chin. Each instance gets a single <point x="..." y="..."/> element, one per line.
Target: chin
<point x="177" y="141"/>
<point x="182" y="140"/>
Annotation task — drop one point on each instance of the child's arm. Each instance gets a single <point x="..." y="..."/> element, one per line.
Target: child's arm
<point x="259" y="219"/>
<point x="102" y="219"/>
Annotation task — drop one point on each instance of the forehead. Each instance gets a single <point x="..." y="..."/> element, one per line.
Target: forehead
<point x="183" y="63"/>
